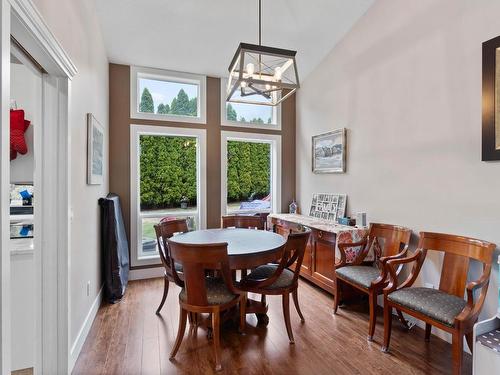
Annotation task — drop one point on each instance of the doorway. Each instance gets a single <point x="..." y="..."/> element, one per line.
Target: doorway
<point x="50" y="353"/>
<point x="25" y="123"/>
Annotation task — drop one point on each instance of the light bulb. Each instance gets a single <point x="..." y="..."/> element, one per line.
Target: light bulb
<point x="277" y="73"/>
<point x="250" y="68"/>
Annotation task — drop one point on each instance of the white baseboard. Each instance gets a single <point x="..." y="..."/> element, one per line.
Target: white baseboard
<point x="146" y="273"/>
<point x="84" y="331"/>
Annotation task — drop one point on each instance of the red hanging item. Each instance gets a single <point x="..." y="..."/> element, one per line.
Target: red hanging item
<point x="18" y="126"/>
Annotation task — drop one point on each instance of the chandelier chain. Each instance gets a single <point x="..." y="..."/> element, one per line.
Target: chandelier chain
<point x="260" y="22"/>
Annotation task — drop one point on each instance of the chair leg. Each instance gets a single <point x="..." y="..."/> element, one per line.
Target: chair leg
<point x="470" y="341"/>
<point x="216" y="338"/>
<point x="336" y="295"/>
<point x="428" y="329"/>
<point x="403" y="320"/>
<point x="372" y="299"/>
<point x="457" y="345"/>
<point x="286" y="314"/>
<point x="193" y="318"/>
<point x="243" y="313"/>
<point x="296" y="302"/>
<point x="387" y="326"/>
<point x="165" y="293"/>
<point x="180" y="332"/>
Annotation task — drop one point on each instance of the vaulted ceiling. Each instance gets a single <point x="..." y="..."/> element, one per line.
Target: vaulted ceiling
<point x="201" y="36"/>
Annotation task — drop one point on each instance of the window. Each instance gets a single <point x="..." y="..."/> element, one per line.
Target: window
<point x="250" y="173"/>
<point x="168" y="180"/>
<point x="249" y="115"/>
<point x="165" y="95"/>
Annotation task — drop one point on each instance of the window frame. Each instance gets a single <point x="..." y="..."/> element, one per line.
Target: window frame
<point x="276" y="165"/>
<point x="135" y="211"/>
<point x="246" y="124"/>
<point x="137" y="72"/>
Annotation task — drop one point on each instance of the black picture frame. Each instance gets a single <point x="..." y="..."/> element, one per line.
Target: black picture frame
<point x="489" y="151"/>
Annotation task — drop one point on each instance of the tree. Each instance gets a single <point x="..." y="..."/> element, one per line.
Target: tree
<point x="193" y="107"/>
<point x="181" y="105"/>
<point x="231" y="114"/>
<point x="256" y="120"/>
<point x="147" y="104"/>
<point x="163" y="109"/>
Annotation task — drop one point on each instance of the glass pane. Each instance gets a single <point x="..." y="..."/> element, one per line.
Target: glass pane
<point x="250" y="113"/>
<point x="248" y="176"/>
<point x="149" y="243"/>
<point x="167" y="98"/>
<point x="168" y="183"/>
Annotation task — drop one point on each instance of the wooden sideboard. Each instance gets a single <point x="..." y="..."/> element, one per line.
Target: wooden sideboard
<point x="319" y="258"/>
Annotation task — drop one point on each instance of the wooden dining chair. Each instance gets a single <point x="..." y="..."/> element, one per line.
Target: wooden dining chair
<point x="444" y="308"/>
<point x="388" y="242"/>
<point x="243" y="221"/>
<point x="165" y="230"/>
<point x="278" y="279"/>
<point x="202" y="294"/>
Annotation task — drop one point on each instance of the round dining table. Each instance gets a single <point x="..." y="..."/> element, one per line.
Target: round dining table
<point x="246" y="248"/>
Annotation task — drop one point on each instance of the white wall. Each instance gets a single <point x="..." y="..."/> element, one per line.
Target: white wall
<point x="406" y="82"/>
<point x="75" y="25"/>
<point x="26" y="90"/>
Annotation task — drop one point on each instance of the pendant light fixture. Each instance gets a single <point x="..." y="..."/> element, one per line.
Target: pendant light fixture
<point x="260" y="74"/>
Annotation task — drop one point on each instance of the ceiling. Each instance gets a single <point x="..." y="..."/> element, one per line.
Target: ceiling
<point x="201" y="36"/>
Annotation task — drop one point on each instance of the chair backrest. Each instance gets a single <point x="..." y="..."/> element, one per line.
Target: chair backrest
<point x="295" y="248"/>
<point x="395" y="238"/>
<point x="195" y="260"/>
<point x="165" y="229"/>
<point x="242" y="221"/>
<point x="458" y="251"/>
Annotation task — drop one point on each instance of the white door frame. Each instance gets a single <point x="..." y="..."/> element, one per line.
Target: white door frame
<point x="201" y="160"/>
<point x="21" y="19"/>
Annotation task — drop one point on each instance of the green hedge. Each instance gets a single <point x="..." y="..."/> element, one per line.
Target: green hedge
<point x="168" y="170"/>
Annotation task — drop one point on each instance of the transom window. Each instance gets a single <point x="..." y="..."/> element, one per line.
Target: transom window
<point x="249" y="115"/>
<point x="165" y="95"/>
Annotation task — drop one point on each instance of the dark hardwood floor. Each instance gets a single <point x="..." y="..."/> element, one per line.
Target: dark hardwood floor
<point x="128" y="338"/>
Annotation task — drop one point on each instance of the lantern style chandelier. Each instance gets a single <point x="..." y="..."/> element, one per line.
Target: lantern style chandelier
<point x="260" y="74"/>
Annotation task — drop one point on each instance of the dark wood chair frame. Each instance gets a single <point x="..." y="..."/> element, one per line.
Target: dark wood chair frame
<point x="165" y="230"/>
<point x="293" y="255"/>
<point x="196" y="260"/>
<point x="243" y="221"/>
<point x="395" y="245"/>
<point x="458" y="251"/>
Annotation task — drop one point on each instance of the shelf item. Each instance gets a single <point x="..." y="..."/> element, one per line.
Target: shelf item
<point x="18" y="126"/>
<point x="21" y="210"/>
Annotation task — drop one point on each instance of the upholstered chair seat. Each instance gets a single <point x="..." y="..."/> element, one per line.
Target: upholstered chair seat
<point x="434" y="303"/>
<point x="266" y="271"/>
<point x="217" y="292"/>
<point x="360" y="275"/>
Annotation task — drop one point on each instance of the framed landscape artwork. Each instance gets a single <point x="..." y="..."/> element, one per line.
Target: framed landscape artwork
<point x="329" y="152"/>
<point x="95" y="151"/>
